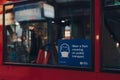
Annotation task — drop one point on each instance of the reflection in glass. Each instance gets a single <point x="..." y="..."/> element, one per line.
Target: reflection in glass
<point x="32" y="30"/>
<point x="110" y="37"/>
<point x="112" y="2"/>
<point x="25" y="40"/>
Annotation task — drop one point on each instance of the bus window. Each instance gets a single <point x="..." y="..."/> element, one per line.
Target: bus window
<point x="49" y="33"/>
<point x="110" y="36"/>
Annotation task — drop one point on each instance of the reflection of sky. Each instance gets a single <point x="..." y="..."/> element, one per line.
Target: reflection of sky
<point x="19" y="31"/>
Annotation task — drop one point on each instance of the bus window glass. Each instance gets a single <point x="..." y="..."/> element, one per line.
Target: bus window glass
<point x="49" y="33"/>
<point x="110" y="36"/>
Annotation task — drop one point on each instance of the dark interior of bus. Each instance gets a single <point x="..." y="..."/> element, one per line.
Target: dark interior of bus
<point x="110" y="35"/>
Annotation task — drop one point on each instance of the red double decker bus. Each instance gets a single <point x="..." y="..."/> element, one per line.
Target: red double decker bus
<point x="60" y="40"/>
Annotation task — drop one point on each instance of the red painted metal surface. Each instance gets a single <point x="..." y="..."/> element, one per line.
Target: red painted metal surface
<point x="8" y="72"/>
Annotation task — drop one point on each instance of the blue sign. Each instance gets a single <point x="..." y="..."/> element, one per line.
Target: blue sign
<point x="74" y="52"/>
